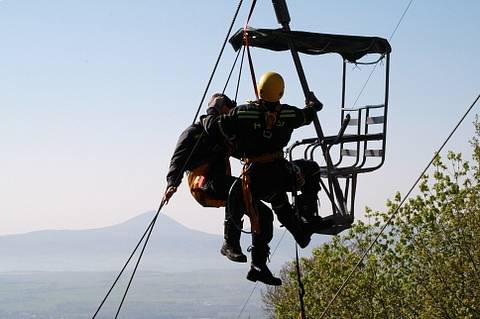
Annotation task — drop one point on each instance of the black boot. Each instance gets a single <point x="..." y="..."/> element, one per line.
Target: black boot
<point x="259" y="270"/>
<point x="317" y="224"/>
<point x="294" y="225"/>
<point x="231" y="245"/>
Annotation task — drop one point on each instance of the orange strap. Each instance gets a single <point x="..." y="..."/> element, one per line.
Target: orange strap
<point x="264" y="158"/>
<point x="248" y="201"/>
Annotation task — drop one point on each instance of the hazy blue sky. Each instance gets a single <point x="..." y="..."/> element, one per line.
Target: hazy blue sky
<point x="93" y="95"/>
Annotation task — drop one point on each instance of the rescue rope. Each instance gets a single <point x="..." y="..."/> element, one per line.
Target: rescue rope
<point x="123" y="269"/>
<point x="218" y="61"/>
<point x="139" y="258"/>
<point x="147" y="233"/>
<point x="239" y="73"/>
<point x="301" y="288"/>
<point x="246" y="45"/>
<point x="231" y="71"/>
<point x="150" y="227"/>
<point x="397" y="210"/>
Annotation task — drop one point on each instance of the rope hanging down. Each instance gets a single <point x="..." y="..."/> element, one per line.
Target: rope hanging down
<point x="301" y="289"/>
<point x="150" y="227"/>
<point x="245" y="39"/>
<point x="218" y="61"/>
<point x="396" y="210"/>
<point x="123" y="269"/>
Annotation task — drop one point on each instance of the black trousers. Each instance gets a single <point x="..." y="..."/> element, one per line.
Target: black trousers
<point x="221" y="186"/>
<point x="271" y="181"/>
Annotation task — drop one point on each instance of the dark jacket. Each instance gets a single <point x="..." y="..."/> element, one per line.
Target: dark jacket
<point x="207" y="151"/>
<point x="245" y="127"/>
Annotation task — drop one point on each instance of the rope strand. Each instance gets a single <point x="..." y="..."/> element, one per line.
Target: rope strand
<point x="123" y="269"/>
<point x="149" y="229"/>
<point x="218" y="61"/>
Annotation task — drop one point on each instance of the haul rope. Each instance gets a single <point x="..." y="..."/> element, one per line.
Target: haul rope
<point x="245" y="39"/>
<point x="301" y="288"/>
<point x="218" y="61"/>
<point x="149" y="229"/>
<point x="147" y="232"/>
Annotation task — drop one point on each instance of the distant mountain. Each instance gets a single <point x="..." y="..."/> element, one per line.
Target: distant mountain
<point x="172" y="247"/>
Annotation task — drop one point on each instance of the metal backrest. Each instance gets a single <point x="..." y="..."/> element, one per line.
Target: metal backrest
<point x="362" y="147"/>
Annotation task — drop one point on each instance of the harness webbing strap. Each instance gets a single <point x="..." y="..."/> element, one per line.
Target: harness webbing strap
<point x="248" y="200"/>
<point x="271" y="120"/>
<point x="245" y="40"/>
<point x="247" y="193"/>
<point x="263" y="158"/>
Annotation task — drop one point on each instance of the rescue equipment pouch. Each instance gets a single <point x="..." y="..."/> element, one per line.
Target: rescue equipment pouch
<point x="197" y="179"/>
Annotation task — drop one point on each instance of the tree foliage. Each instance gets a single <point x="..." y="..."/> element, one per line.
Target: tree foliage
<point x="426" y="264"/>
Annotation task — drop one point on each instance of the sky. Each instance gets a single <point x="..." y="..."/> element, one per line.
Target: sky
<point x="93" y="95"/>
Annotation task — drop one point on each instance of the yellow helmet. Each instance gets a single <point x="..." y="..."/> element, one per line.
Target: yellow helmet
<point x="271" y="87"/>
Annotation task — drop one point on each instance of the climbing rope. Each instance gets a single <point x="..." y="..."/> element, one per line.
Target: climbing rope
<point x="239" y="74"/>
<point x="150" y="227"/>
<point x="231" y="72"/>
<point x="147" y="233"/>
<point x="140" y="257"/>
<point x="123" y="269"/>
<point x="247" y="47"/>
<point x="301" y="288"/>
<point x="397" y="210"/>
<point x="218" y="61"/>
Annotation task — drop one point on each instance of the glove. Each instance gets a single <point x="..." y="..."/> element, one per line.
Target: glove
<point x="169" y="193"/>
<point x="313" y="102"/>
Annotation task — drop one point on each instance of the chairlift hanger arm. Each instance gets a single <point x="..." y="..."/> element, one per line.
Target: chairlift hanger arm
<point x="283" y="17"/>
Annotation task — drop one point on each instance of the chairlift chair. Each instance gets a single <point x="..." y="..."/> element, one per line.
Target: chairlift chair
<point x="361" y="140"/>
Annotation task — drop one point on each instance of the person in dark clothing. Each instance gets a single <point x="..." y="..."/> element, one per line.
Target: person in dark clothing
<point x="257" y="132"/>
<point x="210" y="179"/>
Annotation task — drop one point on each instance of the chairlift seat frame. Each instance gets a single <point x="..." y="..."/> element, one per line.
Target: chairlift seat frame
<point x="351" y="49"/>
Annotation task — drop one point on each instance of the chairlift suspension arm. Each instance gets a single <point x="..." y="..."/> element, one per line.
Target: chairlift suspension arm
<point x="283" y="17"/>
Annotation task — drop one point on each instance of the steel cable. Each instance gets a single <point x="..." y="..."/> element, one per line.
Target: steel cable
<point x="397" y="209"/>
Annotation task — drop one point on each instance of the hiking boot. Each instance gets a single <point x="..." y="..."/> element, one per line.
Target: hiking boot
<point x="317" y="224"/>
<point x="294" y="225"/>
<point x="263" y="274"/>
<point x="259" y="270"/>
<point x="233" y="252"/>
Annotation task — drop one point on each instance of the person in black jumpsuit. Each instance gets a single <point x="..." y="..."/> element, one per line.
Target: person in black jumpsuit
<point x="195" y="148"/>
<point x="257" y="133"/>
